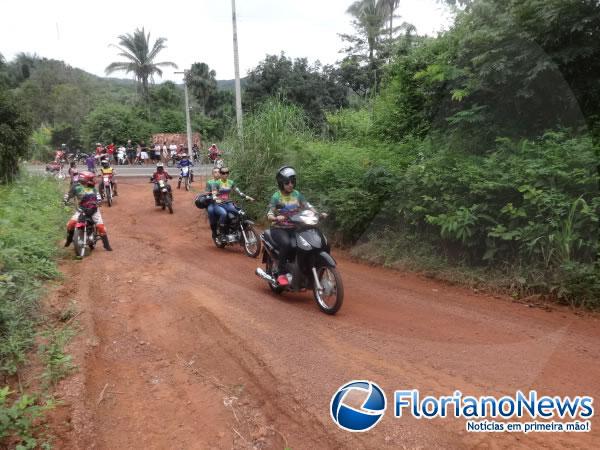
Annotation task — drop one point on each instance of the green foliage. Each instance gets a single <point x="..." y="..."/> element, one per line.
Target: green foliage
<point x="514" y="68"/>
<point x="350" y="125"/>
<point x="115" y="123"/>
<point x="28" y="238"/>
<point x="166" y="95"/>
<point x="140" y="55"/>
<point x="40" y="142"/>
<point x="15" y="128"/>
<point x="19" y="420"/>
<point x="170" y="121"/>
<point x="202" y="83"/>
<point x="273" y="136"/>
<point x="312" y="87"/>
<point x="52" y="354"/>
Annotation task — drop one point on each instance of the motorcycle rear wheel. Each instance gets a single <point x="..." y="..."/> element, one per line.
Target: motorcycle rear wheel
<point x="332" y="297"/>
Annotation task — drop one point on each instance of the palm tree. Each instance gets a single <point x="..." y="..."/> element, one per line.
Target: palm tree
<point x="370" y="20"/>
<point x="202" y="82"/>
<point x="388" y="7"/>
<point x="140" y="54"/>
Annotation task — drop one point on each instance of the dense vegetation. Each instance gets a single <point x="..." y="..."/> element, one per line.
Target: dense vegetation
<point x="476" y="152"/>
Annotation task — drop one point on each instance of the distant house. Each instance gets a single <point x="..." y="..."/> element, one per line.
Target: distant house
<point x="177" y="138"/>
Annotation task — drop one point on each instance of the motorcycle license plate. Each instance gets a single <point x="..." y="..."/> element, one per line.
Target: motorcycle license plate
<point x="106" y="180"/>
<point x="184" y="171"/>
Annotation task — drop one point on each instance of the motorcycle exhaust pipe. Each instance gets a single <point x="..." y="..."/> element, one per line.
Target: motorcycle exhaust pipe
<point x="265" y="276"/>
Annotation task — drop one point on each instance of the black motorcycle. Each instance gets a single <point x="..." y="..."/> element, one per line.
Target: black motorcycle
<point x="310" y="264"/>
<point x="85" y="235"/>
<point x="239" y="230"/>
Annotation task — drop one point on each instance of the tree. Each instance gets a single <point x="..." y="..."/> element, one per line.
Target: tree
<point x="114" y="123"/>
<point x="314" y="88"/>
<point x="388" y="7"/>
<point x="369" y="48"/>
<point x="15" y="128"/>
<point x="166" y="95"/>
<point x="202" y="82"/>
<point x="140" y="54"/>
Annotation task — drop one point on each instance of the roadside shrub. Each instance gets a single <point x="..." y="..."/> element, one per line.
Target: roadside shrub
<point x="31" y="221"/>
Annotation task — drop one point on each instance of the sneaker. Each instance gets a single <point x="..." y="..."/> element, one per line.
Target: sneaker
<point x="282" y="280"/>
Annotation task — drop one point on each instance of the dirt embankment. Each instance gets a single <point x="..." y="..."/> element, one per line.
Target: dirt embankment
<point x="182" y="346"/>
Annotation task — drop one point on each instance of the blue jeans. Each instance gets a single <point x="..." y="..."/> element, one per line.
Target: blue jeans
<point x="222" y="210"/>
<point x="212" y="215"/>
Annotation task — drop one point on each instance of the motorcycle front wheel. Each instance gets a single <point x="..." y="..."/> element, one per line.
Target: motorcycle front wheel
<point x="331" y="296"/>
<point x="168" y="203"/>
<point x="252" y="243"/>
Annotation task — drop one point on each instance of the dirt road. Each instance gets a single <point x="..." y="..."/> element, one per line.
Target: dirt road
<point x="183" y="347"/>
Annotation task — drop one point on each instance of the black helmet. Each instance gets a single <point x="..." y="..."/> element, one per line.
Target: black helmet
<point x="105" y="163"/>
<point x="284" y="175"/>
<point x="160" y="167"/>
<point x="203" y="200"/>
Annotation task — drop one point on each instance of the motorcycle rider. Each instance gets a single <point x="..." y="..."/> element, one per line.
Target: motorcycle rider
<point x="88" y="198"/>
<point x="284" y="203"/>
<point x="106" y="169"/>
<point x="212" y="216"/>
<point x="160" y="174"/>
<point x="185" y="162"/>
<point x="214" y="153"/>
<point x="220" y="192"/>
<point x="74" y="174"/>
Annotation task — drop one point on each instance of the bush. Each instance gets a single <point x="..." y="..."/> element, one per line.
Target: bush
<point x="274" y="135"/>
<point x="15" y="128"/>
<point x="115" y="123"/>
<point x="27" y="250"/>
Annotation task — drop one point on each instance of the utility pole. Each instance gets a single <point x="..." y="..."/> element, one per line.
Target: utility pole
<point x="238" y="89"/>
<point x="188" y="123"/>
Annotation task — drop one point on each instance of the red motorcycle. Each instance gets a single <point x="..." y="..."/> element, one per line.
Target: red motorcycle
<point x="106" y="188"/>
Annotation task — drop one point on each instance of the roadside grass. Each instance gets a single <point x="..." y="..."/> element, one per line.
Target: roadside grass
<point x="32" y="220"/>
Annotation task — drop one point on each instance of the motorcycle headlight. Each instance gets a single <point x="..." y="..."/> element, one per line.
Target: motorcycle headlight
<point x="303" y="243"/>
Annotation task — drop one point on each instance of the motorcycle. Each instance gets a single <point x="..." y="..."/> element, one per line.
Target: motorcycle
<point x="310" y="264"/>
<point x="78" y="157"/>
<point x="185" y="174"/>
<point x="56" y="169"/>
<point x="121" y="157"/>
<point x="240" y="230"/>
<point x="165" y="195"/>
<point x="106" y="189"/>
<point x="85" y="235"/>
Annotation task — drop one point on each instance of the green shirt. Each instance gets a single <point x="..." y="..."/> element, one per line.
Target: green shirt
<point x="286" y="205"/>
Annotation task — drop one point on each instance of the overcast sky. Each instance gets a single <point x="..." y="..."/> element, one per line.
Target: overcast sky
<point x="80" y="31"/>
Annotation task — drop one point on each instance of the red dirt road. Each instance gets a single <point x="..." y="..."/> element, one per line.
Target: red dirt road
<point x="183" y="347"/>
